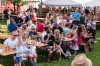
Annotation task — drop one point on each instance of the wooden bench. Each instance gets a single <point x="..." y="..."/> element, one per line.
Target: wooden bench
<point x="3" y="30"/>
<point x="23" y="59"/>
<point x="86" y="48"/>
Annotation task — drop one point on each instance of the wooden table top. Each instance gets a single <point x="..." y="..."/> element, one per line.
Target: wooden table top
<point x="40" y="18"/>
<point x="7" y="53"/>
<point x="97" y="21"/>
<point x="41" y="45"/>
<point x="4" y="36"/>
<point x="4" y="53"/>
<point x="66" y="39"/>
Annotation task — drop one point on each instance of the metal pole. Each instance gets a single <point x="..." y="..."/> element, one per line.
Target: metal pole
<point x="41" y="9"/>
<point x="2" y="10"/>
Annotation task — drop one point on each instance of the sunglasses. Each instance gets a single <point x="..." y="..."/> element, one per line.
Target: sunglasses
<point x="16" y="35"/>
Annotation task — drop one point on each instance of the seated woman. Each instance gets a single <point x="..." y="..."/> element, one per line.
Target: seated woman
<point x="58" y="41"/>
<point x="81" y="34"/>
<point x="50" y="40"/>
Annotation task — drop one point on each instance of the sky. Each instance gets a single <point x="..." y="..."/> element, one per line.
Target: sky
<point x="82" y="1"/>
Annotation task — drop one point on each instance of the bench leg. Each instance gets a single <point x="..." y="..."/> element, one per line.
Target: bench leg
<point x="23" y="64"/>
<point x="86" y="48"/>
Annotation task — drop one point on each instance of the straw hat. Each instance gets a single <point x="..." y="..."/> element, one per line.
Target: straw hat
<point x="81" y="60"/>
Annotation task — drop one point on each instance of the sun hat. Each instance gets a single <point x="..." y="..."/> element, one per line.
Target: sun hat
<point x="81" y="60"/>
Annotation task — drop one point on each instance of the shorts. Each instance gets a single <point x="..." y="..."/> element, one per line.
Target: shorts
<point x="92" y="40"/>
<point x="48" y="48"/>
<point x="34" y="56"/>
<point x="18" y="59"/>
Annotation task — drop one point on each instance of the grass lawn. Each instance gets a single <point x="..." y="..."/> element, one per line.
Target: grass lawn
<point x="94" y="55"/>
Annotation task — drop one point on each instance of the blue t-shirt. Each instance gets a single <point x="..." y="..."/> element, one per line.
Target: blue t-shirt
<point x="19" y="51"/>
<point x="75" y="15"/>
<point x="65" y="31"/>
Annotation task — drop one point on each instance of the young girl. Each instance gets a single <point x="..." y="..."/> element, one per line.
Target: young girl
<point x="33" y="54"/>
<point x="74" y="42"/>
<point x="19" y="54"/>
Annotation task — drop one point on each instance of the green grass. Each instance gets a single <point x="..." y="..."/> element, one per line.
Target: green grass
<point x="41" y="60"/>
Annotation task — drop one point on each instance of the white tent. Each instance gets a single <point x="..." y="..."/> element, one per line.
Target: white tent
<point x="92" y="3"/>
<point x="61" y="3"/>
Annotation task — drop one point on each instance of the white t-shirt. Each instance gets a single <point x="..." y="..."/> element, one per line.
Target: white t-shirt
<point x="43" y="34"/>
<point x="10" y="42"/>
<point x="32" y="50"/>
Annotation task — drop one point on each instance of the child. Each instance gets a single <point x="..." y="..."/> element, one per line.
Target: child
<point x="74" y="42"/>
<point x="19" y="53"/>
<point x="33" y="54"/>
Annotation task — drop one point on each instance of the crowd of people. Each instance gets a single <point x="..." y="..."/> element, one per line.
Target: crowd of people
<point x="56" y="27"/>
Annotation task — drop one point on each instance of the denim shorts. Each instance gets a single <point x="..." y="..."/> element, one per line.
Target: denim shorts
<point x="18" y="59"/>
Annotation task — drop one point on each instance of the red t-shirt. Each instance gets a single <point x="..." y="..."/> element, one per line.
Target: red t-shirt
<point x="34" y="18"/>
<point x="40" y="27"/>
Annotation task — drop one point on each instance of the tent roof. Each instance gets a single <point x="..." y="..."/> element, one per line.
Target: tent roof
<point x="92" y="3"/>
<point x="61" y="3"/>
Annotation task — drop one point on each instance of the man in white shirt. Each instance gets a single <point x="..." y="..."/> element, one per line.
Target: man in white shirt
<point x="12" y="41"/>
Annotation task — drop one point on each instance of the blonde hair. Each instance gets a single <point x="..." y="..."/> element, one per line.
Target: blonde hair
<point x="57" y="36"/>
<point x="19" y="41"/>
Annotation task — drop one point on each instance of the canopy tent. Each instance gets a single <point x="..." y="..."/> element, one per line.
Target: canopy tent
<point x="61" y="3"/>
<point x="92" y="3"/>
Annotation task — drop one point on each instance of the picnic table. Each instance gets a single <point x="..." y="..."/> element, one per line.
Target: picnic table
<point x="41" y="44"/>
<point x="40" y="18"/>
<point x="66" y="43"/>
<point x="3" y="52"/>
<point x="97" y="22"/>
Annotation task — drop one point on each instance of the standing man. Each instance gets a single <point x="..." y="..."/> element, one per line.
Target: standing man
<point x="18" y="20"/>
<point x="8" y="15"/>
<point x="12" y="41"/>
<point x="76" y="16"/>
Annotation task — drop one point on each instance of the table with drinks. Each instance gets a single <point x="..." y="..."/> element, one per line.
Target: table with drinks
<point x="5" y="51"/>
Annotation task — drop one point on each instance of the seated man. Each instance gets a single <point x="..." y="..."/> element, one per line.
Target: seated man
<point x="49" y="39"/>
<point x="90" y="36"/>
<point x="12" y="41"/>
